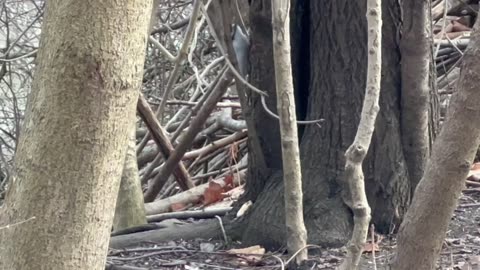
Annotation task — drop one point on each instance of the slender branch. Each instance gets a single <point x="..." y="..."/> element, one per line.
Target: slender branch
<point x="162" y="141"/>
<point x="358" y="150"/>
<point x="182" y="54"/>
<point x="182" y="147"/>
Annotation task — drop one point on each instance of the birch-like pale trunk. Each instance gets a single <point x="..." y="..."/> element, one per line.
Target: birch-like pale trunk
<point x="72" y="147"/>
<point x="358" y="150"/>
<point x="295" y="226"/>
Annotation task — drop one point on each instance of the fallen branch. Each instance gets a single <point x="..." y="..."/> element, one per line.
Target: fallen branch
<point x="162" y="141"/>
<point x="206" y="229"/>
<point x="199" y="214"/>
<point x="170" y="165"/>
<point x="215" y="145"/>
<point x="190" y="196"/>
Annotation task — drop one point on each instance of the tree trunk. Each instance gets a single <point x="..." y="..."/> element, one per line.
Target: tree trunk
<point x="130" y="209"/>
<point x="354" y="177"/>
<point x="292" y="178"/>
<point x="71" y="151"/>
<point x="333" y="89"/>
<point x="415" y="67"/>
<point x="421" y="235"/>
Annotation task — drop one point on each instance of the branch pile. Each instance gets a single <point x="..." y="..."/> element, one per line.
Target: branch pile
<point x="452" y="24"/>
<point x="192" y="72"/>
<point x="198" y="135"/>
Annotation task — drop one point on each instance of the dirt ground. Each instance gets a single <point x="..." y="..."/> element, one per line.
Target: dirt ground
<point x="461" y="249"/>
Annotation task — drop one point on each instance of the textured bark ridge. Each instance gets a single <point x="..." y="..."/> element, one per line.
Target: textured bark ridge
<point x="332" y="89"/>
<point x="71" y="151"/>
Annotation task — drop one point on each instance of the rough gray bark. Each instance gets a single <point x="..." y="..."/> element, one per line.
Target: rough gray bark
<point x="333" y="90"/>
<point x="292" y="177"/>
<point x="71" y="151"/>
<point x="423" y="230"/>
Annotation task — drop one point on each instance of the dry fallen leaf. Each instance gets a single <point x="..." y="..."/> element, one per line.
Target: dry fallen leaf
<point x="369" y="247"/>
<point x="178" y="207"/>
<point x="474" y="174"/>
<point x="213" y="193"/>
<point x="250" y="255"/>
<point x="258" y="250"/>
<point x="228" y="182"/>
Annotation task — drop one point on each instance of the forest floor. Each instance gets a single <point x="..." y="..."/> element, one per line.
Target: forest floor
<point x="461" y="249"/>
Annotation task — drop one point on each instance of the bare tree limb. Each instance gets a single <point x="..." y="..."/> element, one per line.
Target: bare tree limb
<point x="358" y="150"/>
<point x="162" y="141"/>
<point x="182" y="54"/>
<point x="225" y="79"/>
<point x="292" y="177"/>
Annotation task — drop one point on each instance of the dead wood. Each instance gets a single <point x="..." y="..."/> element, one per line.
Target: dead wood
<point x="190" y="196"/>
<point x="171" y="164"/>
<point x="198" y="214"/>
<point x="206" y="229"/>
<point x="162" y="141"/>
<point x="357" y="201"/>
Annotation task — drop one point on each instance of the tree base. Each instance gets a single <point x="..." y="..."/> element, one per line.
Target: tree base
<point x="328" y="221"/>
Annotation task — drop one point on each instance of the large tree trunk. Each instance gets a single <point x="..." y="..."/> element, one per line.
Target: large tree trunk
<point x="333" y="53"/>
<point x="421" y="235"/>
<point x="72" y="148"/>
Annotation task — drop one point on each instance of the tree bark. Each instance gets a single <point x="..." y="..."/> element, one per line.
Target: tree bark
<point x="415" y="67"/>
<point x="423" y="230"/>
<point x="130" y="209"/>
<point x="332" y="90"/>
<point x="292" y="176"/>
<point x="71" y="151"/>
<point x="357" y="201"/>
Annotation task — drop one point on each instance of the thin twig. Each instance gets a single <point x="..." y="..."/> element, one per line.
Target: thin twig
<point x="9" y="226"/>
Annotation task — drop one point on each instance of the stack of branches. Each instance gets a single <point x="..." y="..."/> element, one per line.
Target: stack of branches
<point x="183" y="117"/>
<point x="452" y="25"/>
<point x="223" y="136"/>
<point x="218" y="149"/>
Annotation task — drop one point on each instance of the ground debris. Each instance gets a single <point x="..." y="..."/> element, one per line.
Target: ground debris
<point x="461" y="250"/>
